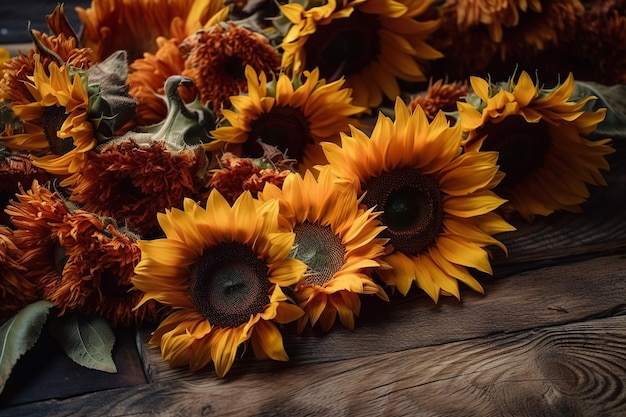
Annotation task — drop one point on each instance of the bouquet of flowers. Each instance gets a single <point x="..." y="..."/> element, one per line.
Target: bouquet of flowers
<point x="227" y="171"/>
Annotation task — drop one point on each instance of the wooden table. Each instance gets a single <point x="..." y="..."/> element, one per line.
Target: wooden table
<point x="547" y="339"/>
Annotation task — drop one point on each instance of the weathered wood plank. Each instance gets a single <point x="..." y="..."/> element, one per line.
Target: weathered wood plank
<point x="533" y="299"/>
<point x="576" y="369"/>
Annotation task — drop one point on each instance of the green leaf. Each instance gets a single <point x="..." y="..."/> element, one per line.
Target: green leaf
<point x="88" y="341"/>
<point x="613" y="98"/>
<point x="19" y="334"/>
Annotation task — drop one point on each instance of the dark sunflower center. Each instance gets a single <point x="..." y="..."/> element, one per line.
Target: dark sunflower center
<point x="110" y="285"/>
<point x="344" y="46"/>
<point x="234" y="67"/>
<point x="521" y="146"/>
<point x="229" y="284"/>
<point x="51" y="121"/>
<point x="412" y="208"/>
<point x="321" y="250"/>
<point x="283" y="127"/>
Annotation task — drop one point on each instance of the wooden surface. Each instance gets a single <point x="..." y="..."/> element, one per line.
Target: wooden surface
<point x="547" y="339"/>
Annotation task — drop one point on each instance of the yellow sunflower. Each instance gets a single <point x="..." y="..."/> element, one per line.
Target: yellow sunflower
<point x="291" y="115"/>
<point x="336" y="239"/>
<point x="372" y="43"/>
<point x="538" y="134"/>
<point x="56" y="122"/>
<point x="435" y="200"/>
<point x="221" y="269"/>
<point x="134" y="26"/>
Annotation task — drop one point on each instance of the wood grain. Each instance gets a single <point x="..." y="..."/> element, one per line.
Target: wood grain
<point x="570" y="370"/>
<point x="533" y="299"/>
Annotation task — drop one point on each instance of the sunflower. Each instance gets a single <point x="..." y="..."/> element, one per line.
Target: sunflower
<point x="503" y="33"/>
<point x="338" y="242"/>
<point x="134" y="26"/>
<point x="373" y="43"/>
<point x="80" y="262"/>
<point x="436" y="201"/>
<point x="291" y="115"/>
<point x="221" y="269"/>
<point x="538" y="135"/>
<point x="15" y="291"/>
<point x="13" y="84"/>
<point x="216" y="58"/>
<point x="56" y="122"/>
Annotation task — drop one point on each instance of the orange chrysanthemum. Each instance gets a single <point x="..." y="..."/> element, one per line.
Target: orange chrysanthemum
<point x="439" y="96"/>
<point x="216" y="59"/>
<point x="539" y="136"/>
<point x="16" y="291"/>
<point x="244" y="174"/>
<point x="78" y="261"/>
<point x="147" y="81"/>
<point x="16" y="169"/>
<point x="131" y="180"/>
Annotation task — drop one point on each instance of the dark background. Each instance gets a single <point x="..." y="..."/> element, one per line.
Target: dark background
<point x="14" y="17"/>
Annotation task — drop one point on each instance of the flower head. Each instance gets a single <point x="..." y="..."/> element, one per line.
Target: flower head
<point x="538" y="134"/>
<point x="439" y="96"/>
<point x="221" y="269"/>
<point x="111" y="25"/>
<point x="78" y="261"/>
<point x="435" y="201"/>
<point x="291" y="115"/>
<point x="372" y="43"/>
<point x="217" y="57"/>
<point x="336" y="239"/>
<point x="15" y="290"/>
<point x="56" y="121"/>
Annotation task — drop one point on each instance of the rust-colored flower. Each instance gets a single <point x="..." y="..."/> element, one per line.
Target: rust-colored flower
<point x="244" y="174"/>
<point x="147" y="80"/>
<point x="132" y="180"/>
<point x="78" y="261"/>
<point x="217" y="57"/>
<point x="439" y="96"/>
<point x="15" y="290"/>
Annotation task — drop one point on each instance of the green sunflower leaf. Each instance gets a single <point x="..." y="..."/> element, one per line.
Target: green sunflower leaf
<point x="88" y="341"/>
<point x="613" y="98"/>
<point x="19" y="334"/>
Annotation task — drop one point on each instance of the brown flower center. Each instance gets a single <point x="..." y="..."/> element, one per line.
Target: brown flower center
<point x="111" y="286"/>
<point x="283" y="127"/>
<point x="412" y="208"/>
<point x="521" y="146"/>
<point x="229" y="284"/>
<point x="321" y="250"/>
<point x="51" y="122"/>
<point x="344" y="46"/>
